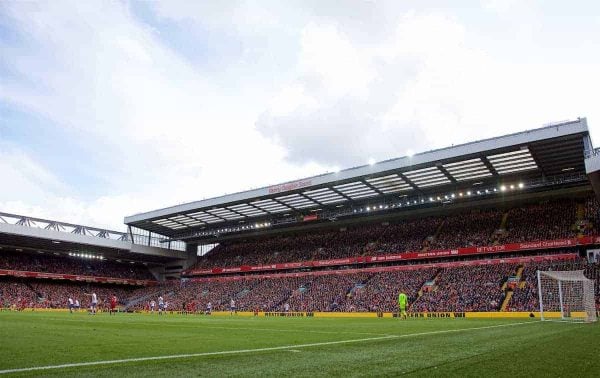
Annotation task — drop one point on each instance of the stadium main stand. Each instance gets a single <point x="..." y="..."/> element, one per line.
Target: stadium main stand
<point x="478" y="285"/>
<point x="457" y="229"/>
<point x="549" y="220"/>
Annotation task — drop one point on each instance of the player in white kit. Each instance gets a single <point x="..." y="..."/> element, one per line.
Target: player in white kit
<point x="94" y="303"/>
<point x="152" y="305"/>
<point x="161" y="305"/>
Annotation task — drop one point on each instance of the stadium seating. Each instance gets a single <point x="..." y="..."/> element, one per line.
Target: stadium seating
<point x="431" y="289"/>
<point x="15" y="293"/>
<point x="460" y="288"/>
<point x="44" y="294"/>
<point x="542" y="221"/>
<point x="471" y="229"/>
<point x="67" y="265"/>
<point x="546" y="221"/>
<point x="592" y="214"/>
<point x="469" y="288"/>
<point x="381" y="290"/>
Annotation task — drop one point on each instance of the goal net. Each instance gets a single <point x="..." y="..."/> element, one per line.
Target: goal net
<point x="566" y="295"/>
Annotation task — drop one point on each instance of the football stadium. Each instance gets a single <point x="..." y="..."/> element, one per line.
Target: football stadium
<point x="479" y="259"/>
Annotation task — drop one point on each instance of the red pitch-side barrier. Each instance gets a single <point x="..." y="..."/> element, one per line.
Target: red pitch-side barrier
<point x="464" y="251"/>
<point x="453" y="264"/>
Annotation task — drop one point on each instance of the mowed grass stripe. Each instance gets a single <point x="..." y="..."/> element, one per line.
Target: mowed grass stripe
<point x="252" y="329"/>
<point x="255" y="350"/>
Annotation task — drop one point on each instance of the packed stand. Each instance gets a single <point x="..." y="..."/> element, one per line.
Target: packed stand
<point x="545" y="221"/>
<point x="592" y="215"/>
<point x="323" y="245"/>
<point x="15" y="294"/>
<point x="44" y="294"/>
<point x="271" y="294"/>
<point x="468" y="288"/>
<point x="327" y="293"/>
<point x="72" y="265"/>
<point x="474" y="228"/>
<point x="533" y="222"/>
<point x="380" y="293"/>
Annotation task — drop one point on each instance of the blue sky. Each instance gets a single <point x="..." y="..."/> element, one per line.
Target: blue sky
<point x="113" y="108"/>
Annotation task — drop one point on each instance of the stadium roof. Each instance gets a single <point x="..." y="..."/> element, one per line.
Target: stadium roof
<point x="547" y="153"/>
<point x="37" y="235"/>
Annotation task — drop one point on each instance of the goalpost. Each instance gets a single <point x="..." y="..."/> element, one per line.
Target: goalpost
<point x="566" y="295"/>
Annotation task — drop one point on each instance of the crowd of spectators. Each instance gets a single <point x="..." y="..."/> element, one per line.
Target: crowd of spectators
<point x="544" y="221"/>
<point x="15" y="294"/>
<point x="328" y="293"/>
<point x="56" y="294"/>
<point x="472" y="288"/>
<point x="18" y="293"/>
<point x="380" y="293"/>
<point x="467" y="288"/>
<point x="541" y="221"/>
<point x="592" y="215"/>
<point x="322" y="245"/>
<point x="404" y="236"/>
<point x="470" y="229"/>
<point x="48" y="263"/>
<point x="454" y="289"/>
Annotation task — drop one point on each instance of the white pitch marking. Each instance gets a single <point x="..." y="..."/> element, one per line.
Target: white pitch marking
<point x="241" y="351"/>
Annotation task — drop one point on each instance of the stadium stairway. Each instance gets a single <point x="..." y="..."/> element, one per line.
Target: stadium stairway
<point x="509" y="293"/>
<point x="285" y="299"/>
<point x="581" y="223"/>
<point x="432" y="238"/>
<point x="504" y="220"/>
<point x="580" y="211"/>
<point x="506" y="300"/>
<point x="420" y="292"/>
<point x="500" y="231"/>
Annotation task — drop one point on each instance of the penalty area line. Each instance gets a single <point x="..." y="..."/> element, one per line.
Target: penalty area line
<point x="256" y="350"/>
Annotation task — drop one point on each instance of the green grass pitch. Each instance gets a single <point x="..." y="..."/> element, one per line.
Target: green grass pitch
<point x="248" y="346"/>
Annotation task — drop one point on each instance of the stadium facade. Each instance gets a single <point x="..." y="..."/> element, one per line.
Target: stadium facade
<point x="555" y="161"/>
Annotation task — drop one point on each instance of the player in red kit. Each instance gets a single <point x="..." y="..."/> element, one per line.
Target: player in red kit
<point x="113" y="305"/>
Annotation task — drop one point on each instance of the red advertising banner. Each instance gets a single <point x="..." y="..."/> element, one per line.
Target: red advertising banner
<point x="289" y="186"/>
<point x="452" y="264"/>
<point x="312" y="217"/>
<point x="465" y="251"/>
<point x="72" y="277"/>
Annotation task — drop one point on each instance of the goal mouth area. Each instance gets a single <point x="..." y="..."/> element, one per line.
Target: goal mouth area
<point x="575" y="316"/>
<point x="566" y="296"/>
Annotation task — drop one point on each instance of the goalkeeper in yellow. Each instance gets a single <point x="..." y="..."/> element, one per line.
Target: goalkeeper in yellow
<point x="402" y="304"/>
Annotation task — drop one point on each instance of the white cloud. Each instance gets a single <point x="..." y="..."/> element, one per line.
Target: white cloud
<point x="168" y="134"/>
<point x="315" y="86"/>
<point x="425" y="86"/>
<point x="500" y="6"/>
